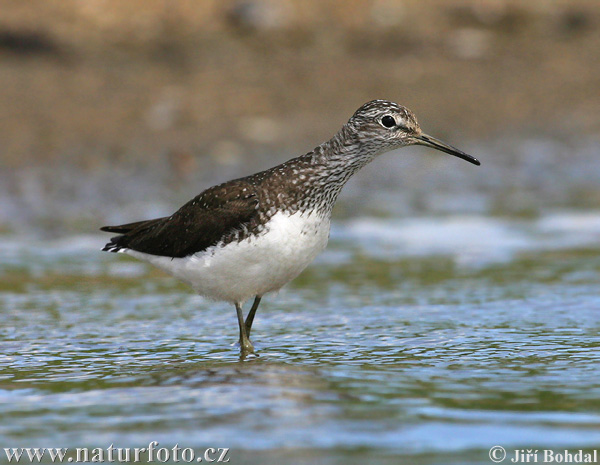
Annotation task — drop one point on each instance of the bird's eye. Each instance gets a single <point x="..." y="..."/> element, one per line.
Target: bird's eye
<point x="388" y="121"/>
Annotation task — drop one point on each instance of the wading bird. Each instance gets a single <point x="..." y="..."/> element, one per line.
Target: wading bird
<point x="250" y="236"/>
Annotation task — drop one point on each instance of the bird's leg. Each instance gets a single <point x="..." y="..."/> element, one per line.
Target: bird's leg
<point x="251" y="313"/>
<point x="245" y="344"/>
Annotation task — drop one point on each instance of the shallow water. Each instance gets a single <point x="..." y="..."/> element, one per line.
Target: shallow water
<point x="423" y="340"/>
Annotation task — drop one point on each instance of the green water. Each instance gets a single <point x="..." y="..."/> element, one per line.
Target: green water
<point x="383" y="351"/>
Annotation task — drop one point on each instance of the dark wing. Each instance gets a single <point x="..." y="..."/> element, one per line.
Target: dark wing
<point x="199" y="224"/>
<point x="125" y="228"/>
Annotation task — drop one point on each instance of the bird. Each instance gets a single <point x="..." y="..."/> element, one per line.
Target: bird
<point x="248" y="237"/>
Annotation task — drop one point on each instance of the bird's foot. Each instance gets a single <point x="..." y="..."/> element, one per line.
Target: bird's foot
<point x="246" y="347"/>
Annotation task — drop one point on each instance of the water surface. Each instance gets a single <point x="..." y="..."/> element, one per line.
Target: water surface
<point x="417" y="340"/>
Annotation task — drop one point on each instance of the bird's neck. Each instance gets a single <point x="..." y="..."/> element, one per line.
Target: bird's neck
<point x="342" y="155"/>
<point x="345" y="151"/>
<point x="334" y="163"/>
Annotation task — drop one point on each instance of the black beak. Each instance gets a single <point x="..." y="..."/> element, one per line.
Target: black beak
<point x="437" y="144"/>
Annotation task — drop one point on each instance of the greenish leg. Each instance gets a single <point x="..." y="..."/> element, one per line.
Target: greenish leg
<point x="251" y="313"/>
<point x="245" y="345"/>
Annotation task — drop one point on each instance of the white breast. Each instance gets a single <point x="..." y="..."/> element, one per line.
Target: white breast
<point x="254" y="266"/>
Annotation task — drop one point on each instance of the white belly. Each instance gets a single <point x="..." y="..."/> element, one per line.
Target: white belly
<point x="257" y="265"/>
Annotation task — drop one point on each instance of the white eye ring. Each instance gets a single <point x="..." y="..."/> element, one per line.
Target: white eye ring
<point x="388" y="121"/>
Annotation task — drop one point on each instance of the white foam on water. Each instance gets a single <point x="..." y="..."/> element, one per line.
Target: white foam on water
<point x="471" y="240"/>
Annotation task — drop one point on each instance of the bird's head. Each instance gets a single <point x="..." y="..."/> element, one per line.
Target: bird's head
<point x="381" y="125"/>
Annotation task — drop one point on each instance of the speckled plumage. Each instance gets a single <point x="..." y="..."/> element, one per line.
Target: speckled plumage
<point x="252" y="235"/>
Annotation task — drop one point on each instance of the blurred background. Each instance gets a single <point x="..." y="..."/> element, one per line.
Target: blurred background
<point x="114" y="110"/>
<point x="456" y="307"/>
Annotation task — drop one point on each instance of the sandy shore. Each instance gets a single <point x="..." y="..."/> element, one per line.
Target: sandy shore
<point x="93" y="82"/>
